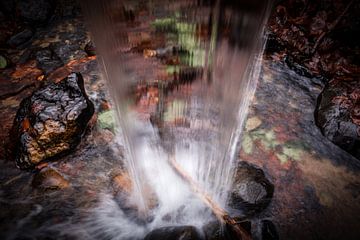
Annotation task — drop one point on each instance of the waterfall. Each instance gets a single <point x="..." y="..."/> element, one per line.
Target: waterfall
<point x="181" y="75"/>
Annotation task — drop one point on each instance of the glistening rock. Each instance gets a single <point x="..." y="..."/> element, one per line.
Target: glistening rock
<point x="252" y="191"/>
<point x="51" y="122"/>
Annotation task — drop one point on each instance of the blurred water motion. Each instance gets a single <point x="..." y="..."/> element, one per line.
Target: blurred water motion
<point x="181" y="74"/>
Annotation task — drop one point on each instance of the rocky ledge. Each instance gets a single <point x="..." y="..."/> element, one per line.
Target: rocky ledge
<point x="338" y="115"/>
<point x="51" y="121"/>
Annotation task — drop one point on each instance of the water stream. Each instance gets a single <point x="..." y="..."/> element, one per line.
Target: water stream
<point x="181" y="74"/>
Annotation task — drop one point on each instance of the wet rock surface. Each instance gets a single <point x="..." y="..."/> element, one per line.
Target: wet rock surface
<point x="216" y="231"/>
<point x="338" y="115"/>
<point x="252" y="191"/>
<point x="51" y="122"/>
<point x="174" y="233"/>
<point x="122" y="190"/>
<point x="49" y="179"/>
<point x="47" y="60"/>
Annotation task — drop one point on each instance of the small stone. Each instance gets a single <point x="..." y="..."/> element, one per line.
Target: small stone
<point x="49" y="179"/>
<point x="174" y="233"/>
<point x="252" y="191"/>
<point x="20" y="38"/>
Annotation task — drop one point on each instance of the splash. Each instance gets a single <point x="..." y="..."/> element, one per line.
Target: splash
<point x="181" y="74"/>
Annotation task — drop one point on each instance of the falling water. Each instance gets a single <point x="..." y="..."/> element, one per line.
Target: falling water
<point x="181" y="74"/>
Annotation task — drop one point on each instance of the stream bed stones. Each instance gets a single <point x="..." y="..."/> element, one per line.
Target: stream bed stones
<point x="51" y="121"/>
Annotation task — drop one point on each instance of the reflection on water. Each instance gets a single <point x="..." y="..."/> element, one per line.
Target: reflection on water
<point x="181" y="74"/>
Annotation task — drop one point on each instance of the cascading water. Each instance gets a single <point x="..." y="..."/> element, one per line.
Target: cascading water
<point x="181" y="74"/>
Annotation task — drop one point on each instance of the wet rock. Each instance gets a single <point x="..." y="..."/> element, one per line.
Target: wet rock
<point x="35" y="11"/>
<point x="90" y="49"/>
<point x="268" y="230"/>
<point x="215" y="231"/>
<point x="252" y="191"/>
<point x="123" y="187"/>
<point x="20" y="38"/>
<point x="68" y="52"/>
<point x="51" y="122"/>
<point x="174" y="233"/>
<point x="338" y="115"/>
<point x="49" y="179"/>
<point x="47" y="60"/>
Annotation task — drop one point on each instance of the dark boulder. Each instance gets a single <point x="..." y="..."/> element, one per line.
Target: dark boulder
<point x="338" y="115"/>
<point x="51" y="121"/>
<point x="174" y="233"/>
<point x="252" y="191"/>
<point x="20" y="38"/>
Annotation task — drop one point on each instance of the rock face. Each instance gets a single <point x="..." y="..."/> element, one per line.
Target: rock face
<point x="51" y="122"/>
<point x="338" y="115"/>
<point x="49" y="179"/>
<point x="174" y="233"/>
<point x="252" y="191"/>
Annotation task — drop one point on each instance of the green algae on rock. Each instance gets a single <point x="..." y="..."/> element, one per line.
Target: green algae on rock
<point x="51" y="122"/>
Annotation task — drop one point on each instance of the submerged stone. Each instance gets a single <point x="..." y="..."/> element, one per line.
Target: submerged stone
<point x="51" y="122"/>
<point x="49" y="179"/>
<point x="122" y="188"/>
<point x="338" y="115"/>
<point x="20" y="38"/>
<point x="252" y="191"/>
<point x="174" y="233"/>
